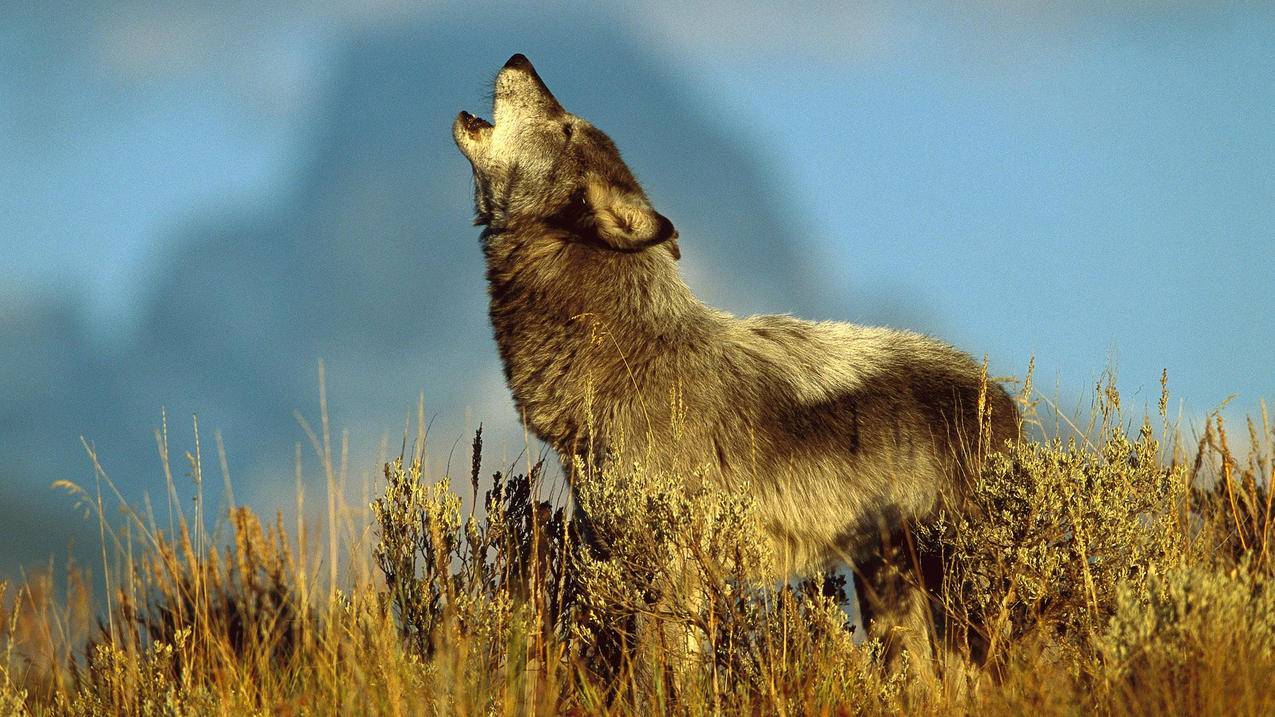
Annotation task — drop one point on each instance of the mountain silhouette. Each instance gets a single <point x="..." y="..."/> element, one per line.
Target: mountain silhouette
<point x="369" y="260"/>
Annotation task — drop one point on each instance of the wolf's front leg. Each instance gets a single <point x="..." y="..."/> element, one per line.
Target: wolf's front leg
<point x="670" y="640"/>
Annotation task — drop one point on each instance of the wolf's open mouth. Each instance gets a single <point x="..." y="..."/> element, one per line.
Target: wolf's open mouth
<point x="472" y="123"/>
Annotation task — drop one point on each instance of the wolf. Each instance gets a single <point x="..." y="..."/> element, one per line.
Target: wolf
<point x="846" y="437"/>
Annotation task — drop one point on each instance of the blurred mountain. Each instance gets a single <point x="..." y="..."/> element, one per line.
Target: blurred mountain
<point x="369" y="261"/>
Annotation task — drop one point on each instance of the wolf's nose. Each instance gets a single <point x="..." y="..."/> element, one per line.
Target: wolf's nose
<point x="519" y="61"/>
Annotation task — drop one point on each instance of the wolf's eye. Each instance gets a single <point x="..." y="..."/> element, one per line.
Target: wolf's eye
<point x="566" y="131"/>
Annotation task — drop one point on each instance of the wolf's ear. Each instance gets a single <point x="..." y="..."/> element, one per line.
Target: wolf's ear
<point x="625" y="221"/>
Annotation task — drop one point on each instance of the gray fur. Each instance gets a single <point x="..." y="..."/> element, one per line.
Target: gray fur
<point x="845" y="435"/>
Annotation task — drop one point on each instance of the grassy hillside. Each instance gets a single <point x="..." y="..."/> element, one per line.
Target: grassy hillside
<point x="1118" y="570"/>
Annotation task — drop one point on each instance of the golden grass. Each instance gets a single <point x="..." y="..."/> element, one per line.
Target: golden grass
<point x="1114" y="572"/>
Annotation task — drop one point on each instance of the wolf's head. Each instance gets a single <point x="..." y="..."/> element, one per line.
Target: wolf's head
<point x="537" y="164"/>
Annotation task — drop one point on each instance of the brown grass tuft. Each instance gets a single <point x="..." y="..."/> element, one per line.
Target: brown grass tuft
<point x="1108" y="572"/>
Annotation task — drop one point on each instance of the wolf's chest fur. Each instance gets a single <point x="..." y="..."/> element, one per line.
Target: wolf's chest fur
<point x="853" y="421"/>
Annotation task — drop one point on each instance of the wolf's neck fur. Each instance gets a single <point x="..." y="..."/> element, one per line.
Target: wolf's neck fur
<point x="569" y="318"/>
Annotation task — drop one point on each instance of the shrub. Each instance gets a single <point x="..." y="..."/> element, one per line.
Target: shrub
<point x="1101" y="573"/>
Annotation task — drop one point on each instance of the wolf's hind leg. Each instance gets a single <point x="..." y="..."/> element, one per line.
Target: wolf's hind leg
<point x="895" y="607"/>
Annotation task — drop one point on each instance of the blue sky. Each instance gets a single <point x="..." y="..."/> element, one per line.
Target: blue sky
<point x="1087" y="187"/>
<point x="1075" y="183"/>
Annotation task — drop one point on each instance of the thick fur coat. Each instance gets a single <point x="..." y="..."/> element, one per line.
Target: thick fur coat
<point x="844" y="435"/>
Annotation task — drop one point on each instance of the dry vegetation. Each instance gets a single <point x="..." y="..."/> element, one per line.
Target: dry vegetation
<point x="1114" y="571"/>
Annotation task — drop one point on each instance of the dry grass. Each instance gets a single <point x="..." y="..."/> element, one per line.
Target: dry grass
<point x="1118" y="571"/>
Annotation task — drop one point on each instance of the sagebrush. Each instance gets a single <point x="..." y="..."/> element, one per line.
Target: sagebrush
<point x="1114" y="569"/>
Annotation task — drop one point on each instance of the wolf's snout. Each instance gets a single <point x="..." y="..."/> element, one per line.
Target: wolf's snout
<point x="519" y="61"/>
<point x="520" y="91"/>
<point x="519" y="98"/>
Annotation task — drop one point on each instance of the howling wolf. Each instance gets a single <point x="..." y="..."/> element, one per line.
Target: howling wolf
<point x="846" y="437"/>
